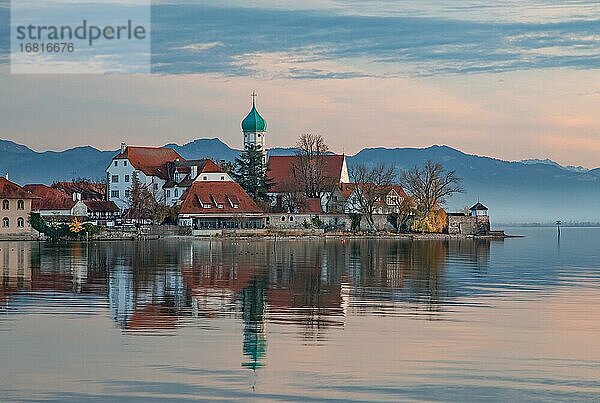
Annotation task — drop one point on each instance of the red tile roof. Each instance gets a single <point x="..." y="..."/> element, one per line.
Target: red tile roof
<point x="280" y="170"/>
<point x="210" y="167"/>
<point x="88" y="190"/>
<point x="151" y="161"/>
<point x="347" y="189"/>
<point x="184" y="166"/>
<point x="101" y="206"/>
<point x="10" y="190"/>
<point x="312" y="205"/>
<point x="214" y="193"/>
<point x="398" y="190"/>
<point x="49" y="198"/>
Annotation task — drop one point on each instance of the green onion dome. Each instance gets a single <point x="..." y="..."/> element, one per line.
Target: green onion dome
<point x="254" y="122"/>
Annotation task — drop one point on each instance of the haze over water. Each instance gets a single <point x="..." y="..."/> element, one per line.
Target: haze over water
<point x="356" y="320"/>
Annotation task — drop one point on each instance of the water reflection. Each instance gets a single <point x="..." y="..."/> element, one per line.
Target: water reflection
<point x="254" y="309"/>
<point x="155" y="287"/>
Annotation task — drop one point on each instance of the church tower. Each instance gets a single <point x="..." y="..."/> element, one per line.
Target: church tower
<point x="254" y="128"/>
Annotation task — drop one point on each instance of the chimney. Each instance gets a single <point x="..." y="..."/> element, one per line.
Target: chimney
<point x="123" y="147"/>
<point x="193" y="172"/>
<point x="6" y="176"/>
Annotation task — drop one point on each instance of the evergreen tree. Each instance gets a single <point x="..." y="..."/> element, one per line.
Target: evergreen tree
<point x="251" y="173"/>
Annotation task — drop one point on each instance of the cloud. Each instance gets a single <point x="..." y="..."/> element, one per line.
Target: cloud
<point x="200" y="47"/>
<point x="374" y="45"/>
<point x="384" y="38"/>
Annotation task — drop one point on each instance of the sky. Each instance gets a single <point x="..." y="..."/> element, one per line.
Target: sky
<point x="509" y="79"/>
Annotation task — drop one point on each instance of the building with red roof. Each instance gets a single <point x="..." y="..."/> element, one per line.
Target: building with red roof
<point x="346" y="198"/>
<point x="57" y="205"/>
<point x="280" y="170"/>
<point x="15" y="208"/>
<point x="284" y="172"/>
<point x="210" y="207"/>
<point x="165" y="173"/>
<point x="183" y="173"/>
<point x="50" y="202"/>
<point x="83" y="189"/>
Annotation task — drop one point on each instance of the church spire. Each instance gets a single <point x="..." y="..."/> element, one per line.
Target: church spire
<point x="254" y="128"/>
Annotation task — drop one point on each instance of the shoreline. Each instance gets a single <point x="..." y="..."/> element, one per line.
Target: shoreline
<point x="277" y="236"/>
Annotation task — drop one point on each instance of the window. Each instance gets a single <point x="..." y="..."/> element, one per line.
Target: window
<point x="116" y="162"/>
<point x="125" y="163"/>
<point x="156" y="186"/>
<point x="115" y="179"/>
<point x="20" y="205"/>
<point x="205" y="178"/>
<point x="114" y="194"/>
<point x="126" y="178"/>
<point x="259" y="135"/>
<point x="291" y="218"/>
<point x="283" y="218"/>
<point x="222" y="178"/>
<point x="176" y="192"/>
<point x="168" y="192"/>
<point x="127" y="192"/>
<point x="20" y="222"/>
<point x="5" y="204"/>
<point x="5" y="222"/>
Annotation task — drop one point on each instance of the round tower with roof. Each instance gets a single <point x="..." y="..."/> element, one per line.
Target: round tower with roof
<point x="254" y="128"/>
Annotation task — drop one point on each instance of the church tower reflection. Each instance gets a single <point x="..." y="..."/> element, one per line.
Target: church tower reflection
<point x="253" y="315"/>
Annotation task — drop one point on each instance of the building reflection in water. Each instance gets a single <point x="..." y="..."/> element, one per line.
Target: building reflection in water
<point x="254" y="309"/>
<point x="15" y="266"/>
<point x="155" y="286"/>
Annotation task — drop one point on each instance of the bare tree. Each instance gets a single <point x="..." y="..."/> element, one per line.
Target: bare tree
<point x="141" y="203"/>
<point x="309" y="169"/>
<point x="430" y="185"/>
<point x="293" y="198"/>
<point x="372" y="184"/>
<point x="404" y="211"/>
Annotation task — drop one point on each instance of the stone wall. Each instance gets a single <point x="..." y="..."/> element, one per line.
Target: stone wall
<point x="468" y="225"/>
<point x="303" y="221"/>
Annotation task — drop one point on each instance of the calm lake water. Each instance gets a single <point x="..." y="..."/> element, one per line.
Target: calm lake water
<point x="514" y="319"/>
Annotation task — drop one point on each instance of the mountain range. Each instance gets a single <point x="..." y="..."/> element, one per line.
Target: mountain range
<point x="523" y="191"/>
